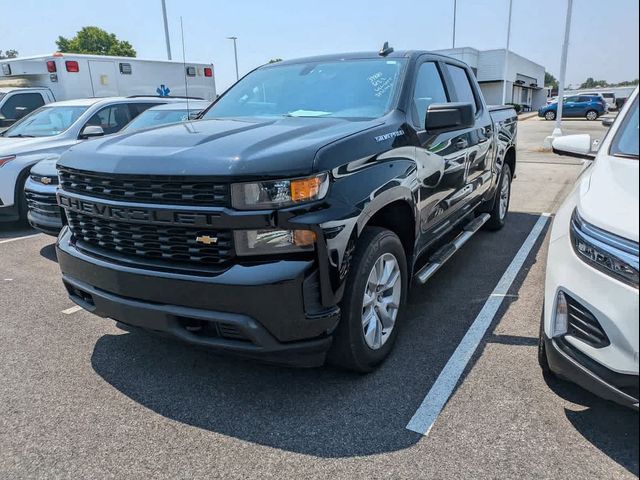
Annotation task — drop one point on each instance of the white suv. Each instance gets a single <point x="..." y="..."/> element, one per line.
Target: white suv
<point x="589" y="333"/>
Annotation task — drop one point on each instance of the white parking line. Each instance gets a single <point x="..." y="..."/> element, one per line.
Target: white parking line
<point x="71" y="310"/>
<point x="20" y="238"/>
<point x="428" y="412"/>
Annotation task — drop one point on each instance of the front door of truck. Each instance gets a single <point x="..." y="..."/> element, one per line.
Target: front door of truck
<point x="465" y="153"/>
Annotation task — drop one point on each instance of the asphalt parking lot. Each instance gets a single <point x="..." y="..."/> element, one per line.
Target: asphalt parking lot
<point x="80" y="398"/>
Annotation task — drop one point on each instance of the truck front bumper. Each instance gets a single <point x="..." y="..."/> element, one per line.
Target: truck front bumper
<point x="267" y="311"/>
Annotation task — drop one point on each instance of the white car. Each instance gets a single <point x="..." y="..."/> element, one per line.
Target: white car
<point x="53" y="129"/>
<point x="589" y="333"/>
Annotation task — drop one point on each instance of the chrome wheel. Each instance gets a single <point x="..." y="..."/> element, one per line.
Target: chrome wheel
<point x="505" y="190"/>
<point x="381" y="301"/>
<point x="591" y="115"/>
<point x="550" y="115"/>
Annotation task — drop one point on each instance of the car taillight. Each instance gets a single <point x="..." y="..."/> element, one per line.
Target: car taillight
<point x="72" y="66"/>
<point x="51" y="66"/>
<point x="208" y="72"/>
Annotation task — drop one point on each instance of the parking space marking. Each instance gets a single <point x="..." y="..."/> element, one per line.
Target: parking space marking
<point x="20" y="238"/>
<point x="71" y="310"/>
<point x="428" y="412"/>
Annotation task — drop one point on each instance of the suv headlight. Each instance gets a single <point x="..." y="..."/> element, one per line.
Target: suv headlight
<point x="278" y="193"/>
<point x="609" y="253"/>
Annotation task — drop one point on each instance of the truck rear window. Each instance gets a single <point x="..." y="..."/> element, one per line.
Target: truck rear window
<point x="345" y="89"/>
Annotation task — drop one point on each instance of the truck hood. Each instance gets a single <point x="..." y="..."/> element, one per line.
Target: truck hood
<point x="46" y="168"/>
<point x="611" y="200"/>
<point x="226" y="147"/>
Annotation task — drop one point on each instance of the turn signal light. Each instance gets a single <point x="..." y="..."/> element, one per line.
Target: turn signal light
<point x="305" y="188"/>
<point x="208" y="72"/>
<point x="51" y="66"/>
<point x="304" y="238"/>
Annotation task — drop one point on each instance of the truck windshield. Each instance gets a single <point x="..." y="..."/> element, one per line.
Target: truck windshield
<point x="46" y="122"/>
<point x="343" y="89"/>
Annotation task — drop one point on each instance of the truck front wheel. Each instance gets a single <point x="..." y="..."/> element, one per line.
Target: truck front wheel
<point x="375" y="290"/>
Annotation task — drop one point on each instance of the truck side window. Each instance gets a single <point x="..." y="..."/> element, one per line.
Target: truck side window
<point x="462" y="86"/>
<point x="429" y="89"/>
<point x="21" y="104"/>
<point x="112" y="118"/>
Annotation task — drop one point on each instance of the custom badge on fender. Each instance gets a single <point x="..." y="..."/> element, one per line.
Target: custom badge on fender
<point x="207" y="240"/>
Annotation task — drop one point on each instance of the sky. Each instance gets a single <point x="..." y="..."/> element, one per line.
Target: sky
<point x="603" y="45"/>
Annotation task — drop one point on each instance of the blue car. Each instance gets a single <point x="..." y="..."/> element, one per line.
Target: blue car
<point x="587" y="106"/>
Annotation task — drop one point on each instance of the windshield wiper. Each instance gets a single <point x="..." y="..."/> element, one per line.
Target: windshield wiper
<point x="21" y="135"/>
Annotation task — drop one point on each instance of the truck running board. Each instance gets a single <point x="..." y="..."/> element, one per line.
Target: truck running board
<point x="446" y="251"/>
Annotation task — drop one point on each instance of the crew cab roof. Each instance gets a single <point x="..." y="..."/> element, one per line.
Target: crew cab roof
<point x="360" y="56"/>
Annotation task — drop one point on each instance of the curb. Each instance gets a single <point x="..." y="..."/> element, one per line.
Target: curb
<point x="527" y="116"/>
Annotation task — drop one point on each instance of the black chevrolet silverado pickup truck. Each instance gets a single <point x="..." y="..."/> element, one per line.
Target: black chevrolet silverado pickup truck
<point x="289" y="222"/>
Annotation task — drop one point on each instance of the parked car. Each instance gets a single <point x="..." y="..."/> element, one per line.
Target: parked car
<point x="52" y="129"/>
<point x="590" y="107"/>
<point x="18" y="102"/>
<point x="27" y="83"/>
<point x="608" y="97"/>
<point x="167" y="114"/>
<point x="589" y="333"/>
<point x="288" y="223"/>
<point x="40" y="188"/>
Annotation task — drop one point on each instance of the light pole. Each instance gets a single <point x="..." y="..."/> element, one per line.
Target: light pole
<point x="505" y="71"/>
<point x="455" y="8"/>
<point x="166" y="29"/>
<point x="235" y="53"/>
<point x="557" y="131"/>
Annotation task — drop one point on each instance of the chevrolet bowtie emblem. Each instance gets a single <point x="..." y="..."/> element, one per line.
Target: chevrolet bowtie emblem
<point x="206" y="239"/>
<point x="45" y="180"/>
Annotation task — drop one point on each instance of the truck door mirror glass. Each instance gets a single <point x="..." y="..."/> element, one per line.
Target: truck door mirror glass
<point x="92" y="131"/>
<point x="444" y="117"/>
<point x="578" y="146"/>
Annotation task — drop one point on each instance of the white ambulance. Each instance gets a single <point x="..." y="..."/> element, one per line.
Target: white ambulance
<point x="29" y="82"/>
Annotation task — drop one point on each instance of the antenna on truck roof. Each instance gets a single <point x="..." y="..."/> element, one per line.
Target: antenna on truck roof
<point x="385" y="50"/>
<point x="184" y="65"/>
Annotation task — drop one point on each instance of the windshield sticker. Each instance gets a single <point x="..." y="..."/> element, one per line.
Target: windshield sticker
<point x="380" y="83"/>
<point x="389" y="136"/>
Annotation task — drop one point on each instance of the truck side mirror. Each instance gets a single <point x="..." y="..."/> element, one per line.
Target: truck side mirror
<point x="91" y="131"/>
<point x="445" y="117"/>
<point x="578" y="146"/>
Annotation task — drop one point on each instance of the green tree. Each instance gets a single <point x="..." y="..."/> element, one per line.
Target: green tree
<point x="9" y="54"/>
<point x="591" y="83"/>
<point x="96" y="41"/>
<point x="550" y="80"/>
<point x="275" y="60"/>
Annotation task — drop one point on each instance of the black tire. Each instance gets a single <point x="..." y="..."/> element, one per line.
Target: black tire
<point x="550" y="115"/>
<point x="21" y="200"/>
<point x="349" y="349"/>
<point x="591" y="112"/>
<point x="498" y="218"/>
<point x="543" y="361"/>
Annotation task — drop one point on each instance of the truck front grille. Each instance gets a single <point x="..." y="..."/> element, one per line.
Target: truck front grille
<point x="43" y="204"/>
<point x="160" y="189"/>
<point x="150" y="241"/>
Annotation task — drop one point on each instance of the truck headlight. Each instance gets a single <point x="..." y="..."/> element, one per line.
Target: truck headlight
<point x="278" y="193"/>
<point x="266" y="242"/>
<point x="609" y="253"/>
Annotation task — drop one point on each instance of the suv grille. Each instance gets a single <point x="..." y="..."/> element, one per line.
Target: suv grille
<point x="167" y="243"/>
<point x="584" y="326"/>
<point x="146" y="188"/>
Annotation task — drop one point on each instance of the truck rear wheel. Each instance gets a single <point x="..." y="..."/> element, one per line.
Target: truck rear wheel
<point x="501" y="201"/>
<point x="375" y="290"/>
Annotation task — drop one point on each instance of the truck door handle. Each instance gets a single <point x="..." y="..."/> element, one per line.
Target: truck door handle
<point x="462" y="143"/>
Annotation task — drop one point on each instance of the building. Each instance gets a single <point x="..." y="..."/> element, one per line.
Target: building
<point x="524" y="78"/>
